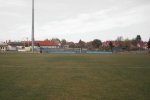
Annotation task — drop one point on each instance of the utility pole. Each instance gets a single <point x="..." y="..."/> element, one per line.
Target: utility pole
<point x="32" y="26"/>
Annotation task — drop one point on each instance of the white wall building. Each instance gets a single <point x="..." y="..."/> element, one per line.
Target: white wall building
<point x="3" y="47"/>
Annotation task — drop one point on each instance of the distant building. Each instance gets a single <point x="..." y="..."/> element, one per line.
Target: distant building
<point x="66" y="46"/>
<point x="25" y="46"/>
<point x="3" y="47"/>
<point x="121" y="44"/>
<point x="15" y="46"/>
<point x="47" y="44"/>
<point x="142" y="45"/>
<point x="42" y="44"/>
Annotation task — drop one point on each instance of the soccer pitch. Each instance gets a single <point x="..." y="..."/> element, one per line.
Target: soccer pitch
<point x="74" y="77"/>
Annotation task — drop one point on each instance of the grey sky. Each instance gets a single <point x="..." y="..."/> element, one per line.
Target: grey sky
<point x="75" y="19"/>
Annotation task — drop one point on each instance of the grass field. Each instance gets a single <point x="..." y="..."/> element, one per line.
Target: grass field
<point x="74" y="77"/>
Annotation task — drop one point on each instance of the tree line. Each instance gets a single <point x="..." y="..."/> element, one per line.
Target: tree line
<point x="98" y="45"/>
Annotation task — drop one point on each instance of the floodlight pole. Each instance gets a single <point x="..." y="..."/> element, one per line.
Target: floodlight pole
<point x="32" y="26"/>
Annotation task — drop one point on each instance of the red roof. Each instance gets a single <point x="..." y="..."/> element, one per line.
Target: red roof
<point x="46" y="43"/>
<point x="42" y="43"/>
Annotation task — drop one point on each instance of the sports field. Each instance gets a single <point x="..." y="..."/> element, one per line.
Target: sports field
<point x="74" y="77"/>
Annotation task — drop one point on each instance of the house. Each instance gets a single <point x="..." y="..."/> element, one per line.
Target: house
<point x="25" y="46"/>
<point x="47" y="44"/>
<point x="15" y="46"/>
<point x="105" y="44"/>
<point x="142" y="45"/>
<point x="43" y="44"/>
<point x="3" y="47"/>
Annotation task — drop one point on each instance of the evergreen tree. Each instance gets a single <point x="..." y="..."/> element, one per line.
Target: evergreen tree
<point x="96" y="43"/>
<point x="138" y="38"/>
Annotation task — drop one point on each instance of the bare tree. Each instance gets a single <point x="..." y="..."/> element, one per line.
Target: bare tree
<point x="63" y="42"/>
<point x="81" y="44"/>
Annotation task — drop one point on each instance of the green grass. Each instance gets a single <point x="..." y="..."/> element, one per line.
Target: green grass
<point x="74" y="77"/>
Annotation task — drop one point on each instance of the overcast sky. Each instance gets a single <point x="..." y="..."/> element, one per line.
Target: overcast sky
<point x="75" y="19"/>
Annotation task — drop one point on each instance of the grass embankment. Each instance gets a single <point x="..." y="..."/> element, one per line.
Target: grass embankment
<point x="74" y="77"/>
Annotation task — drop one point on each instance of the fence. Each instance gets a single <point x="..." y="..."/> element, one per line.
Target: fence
<point x="70" y="51"/>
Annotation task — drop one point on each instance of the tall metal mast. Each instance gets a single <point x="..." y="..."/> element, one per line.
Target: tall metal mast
<point x="32" y="25"/>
